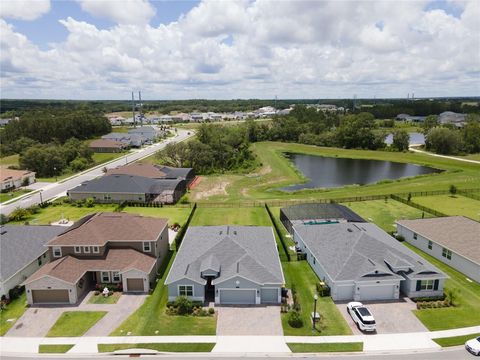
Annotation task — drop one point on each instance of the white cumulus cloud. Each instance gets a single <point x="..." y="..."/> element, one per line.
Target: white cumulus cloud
<point x="120" y="11"/>
<point x="24" y="9"/>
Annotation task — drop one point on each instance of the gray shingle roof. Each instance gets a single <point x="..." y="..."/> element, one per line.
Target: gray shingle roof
<point x="22" y="244"/>
<point x="349" y="251"/>
<point x="247" y="251"/>
<point x="320" y="211"/>
<point x="128" y="184"/>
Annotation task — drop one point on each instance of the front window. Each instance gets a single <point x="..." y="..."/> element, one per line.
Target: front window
<point x="426" y="285"/>
<point x="447" y="254"/>
<point x="57" y="252"/>
<point x="146" y="246"/>
<point x="430" y="244"/>
<point x="107" y="197"/>
<point x="116" y="277"/>
<point x="78" y="249"/>
<point x="105" y="277"/>
<point x="185" y="290"/>
<point x="86" y="249"/>
<point x="415" y="236"/>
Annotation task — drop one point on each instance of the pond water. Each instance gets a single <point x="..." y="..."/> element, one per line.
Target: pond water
<point x="329" y="172"/>
<point x="415" y="138"/>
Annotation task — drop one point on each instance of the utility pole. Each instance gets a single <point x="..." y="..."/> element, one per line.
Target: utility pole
<point x="133" y="110"/>
<point x="140" y="107"/>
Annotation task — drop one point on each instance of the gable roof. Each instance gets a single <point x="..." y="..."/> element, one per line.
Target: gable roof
<point x="317" y="211"/>
<point x="356" y="252"/>
<point x="245" y="251"/>
<point x="457" y="233"/>
<point x="11" y="174"/>
<point x="122" y="183"/>
<point x="22" y="244"/>
<point x="99" y="228"/>
<point x="151" y="171"/>
<point x="106" y="143"/>
<point x="70" y="269"/>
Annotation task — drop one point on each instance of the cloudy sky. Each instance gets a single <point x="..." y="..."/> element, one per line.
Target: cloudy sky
<point x="104" y="49"/>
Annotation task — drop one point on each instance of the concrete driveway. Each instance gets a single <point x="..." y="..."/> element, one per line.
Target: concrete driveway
<point x="37" y="320"/>
<point x="391" y="316"/>
<point x="248" y="320"/>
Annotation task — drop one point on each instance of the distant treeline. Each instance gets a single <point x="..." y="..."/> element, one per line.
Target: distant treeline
<point x="380" y="108"/>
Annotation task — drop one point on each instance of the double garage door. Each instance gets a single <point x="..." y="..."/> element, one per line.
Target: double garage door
<point x="247" y="296"/>
<point x="50" y="296"/>
<point x="377" y="292"/>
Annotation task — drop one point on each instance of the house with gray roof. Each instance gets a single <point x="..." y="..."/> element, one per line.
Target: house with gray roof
<point x="362" y="262"/>
<point x="227" y="265"/>
<point x="148" y="132"/>
<point x="130" y="140"/>
<point x="454" y="240"/>
<point x="23" y="251"/>
<point x="117" y="188"/>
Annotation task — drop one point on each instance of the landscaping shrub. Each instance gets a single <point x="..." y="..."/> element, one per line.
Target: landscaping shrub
<point x="15" y="292"/>
<point x="400" y="238"/>
<point x="451" y="296"/>
<point x="294" y="319"/>
<point x="89" y="202"/>
<point x="19" y="214"/>
<point x="211" y="311"/>
<point x="424" y="299"/>
<point x="3" y="219"/>
<point x="184" y="305"/>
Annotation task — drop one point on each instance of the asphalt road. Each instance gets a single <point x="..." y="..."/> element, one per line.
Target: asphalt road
<point x="55" y="189"/>
<point x="449" y="354"/>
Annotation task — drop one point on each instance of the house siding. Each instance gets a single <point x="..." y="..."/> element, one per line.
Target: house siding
<point x="458" y="262"/>
<point x="46" y="283"/>
<point x="198" y="290"/>
<point x="409" y="288"/>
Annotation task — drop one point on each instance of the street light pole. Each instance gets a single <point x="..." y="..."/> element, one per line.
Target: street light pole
<point x="41" y="199"/>
<point x="315" y="298"/>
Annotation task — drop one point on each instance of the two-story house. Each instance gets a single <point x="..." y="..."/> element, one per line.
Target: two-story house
<point x="102" y="248"/>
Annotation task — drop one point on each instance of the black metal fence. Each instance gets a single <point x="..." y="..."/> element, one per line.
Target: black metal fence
<point x="417" y="206"/>
<point x="284" y="255"/>
<point x="183" y="229"/>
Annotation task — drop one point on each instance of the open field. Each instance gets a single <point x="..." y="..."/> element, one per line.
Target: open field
<point x="12" y="312"/>
<point x="75" y="323"/>
<point x="173" y="214"/>
<point x="165" y="347"/>
<point x="231" y="216"/>
<point x="451" y="205"/>
<point x="53" y="349"/>
<point x="11" y="160"/>
<point x="276" y="171"/>
<point x="304" y="279"/>
<point x="467" y="311"/>
<point x="151" y="319"/>
<point x="455" y="340"/>
<point x="385" y="213"/>
<point x="13" y="194"/>
<point x="325" y="347"/>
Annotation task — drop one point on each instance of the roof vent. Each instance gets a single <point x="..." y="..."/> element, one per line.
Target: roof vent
<point x="234" y="232"/>
<point x="349" y="230"/>
<point x="238" y="267"/>
<point x="220" y="233"/>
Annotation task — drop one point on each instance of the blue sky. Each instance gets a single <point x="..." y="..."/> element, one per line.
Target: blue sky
<point x="103" y="49"/>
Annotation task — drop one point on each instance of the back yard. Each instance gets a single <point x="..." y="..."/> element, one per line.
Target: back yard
<point x="231" y="216"/>
<point x="451" y="205"/>
<point x="173" y="214"/>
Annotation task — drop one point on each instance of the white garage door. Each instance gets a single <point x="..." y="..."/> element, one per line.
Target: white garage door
<point x="237" y="296"/>
<point x="269" y="296"/>
<point x="377" y="292"/>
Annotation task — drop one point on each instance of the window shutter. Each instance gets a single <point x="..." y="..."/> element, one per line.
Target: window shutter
<point x="435" y="284"/>
<point x="419" y="285"/>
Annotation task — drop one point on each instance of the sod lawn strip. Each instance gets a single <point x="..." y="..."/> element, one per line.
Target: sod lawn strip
<point x="331" y="322"/>
<point x="12" y="313"/>
<point x="100" y="299"/>
<point x="163" y="347"/>
<point x="13" y="194"/>
<point x="467" y="310"/>
<point x="455" y="340"/>
<point x="54" y="349"/>
<point x="75" y="323"/>
<point x="151" y="319"/>
<point x="385" y="213"/>
<point x="205" y="216"/>
<point x="325" y="347"/>
<point x="451" y="205"/>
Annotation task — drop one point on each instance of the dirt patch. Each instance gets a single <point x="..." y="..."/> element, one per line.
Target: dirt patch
<point x="219" y="188"/>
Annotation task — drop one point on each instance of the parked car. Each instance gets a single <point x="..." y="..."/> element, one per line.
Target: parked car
<point x="473" y="346"/>
<point x="361" y="316"/>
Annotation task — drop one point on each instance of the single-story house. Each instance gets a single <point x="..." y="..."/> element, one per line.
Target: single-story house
<point x="148" y="132"/>
<point x="107" y="146"/>
<point x="132" y="140"/>
<point x="154" y="171"/>
<point x="454" y="240"/>
<point x="121" y="187"/>
<point x="12" y="179"/>
<point x="22" y="252"/>
<point x="360" y="261"/>
<point x="316" y="213"/>
<point x="228" y="265"/>
<point x="101" y="248"/>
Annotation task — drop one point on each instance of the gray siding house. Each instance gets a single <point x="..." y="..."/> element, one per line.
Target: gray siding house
<point x="227" y="265"/>
<point x="454" y="240"/>
<point x="359" y="261"/>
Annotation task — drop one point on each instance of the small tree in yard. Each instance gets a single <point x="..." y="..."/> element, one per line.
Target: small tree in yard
<point x="184" y="305"/>
<point x="294" y="319"/>
<point x="19" y="214"/>
<point x="453" y="189"/>
<point x="451" y="296"/>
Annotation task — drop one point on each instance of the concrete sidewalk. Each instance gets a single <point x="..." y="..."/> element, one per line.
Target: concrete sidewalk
<point x="241" y="344"/>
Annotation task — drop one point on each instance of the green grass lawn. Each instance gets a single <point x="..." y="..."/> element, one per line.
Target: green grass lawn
<point x="165" y="347"/>
<point x="67" y="211"/>
<point x="13" y="194"/>
<point x="150" y="318"/>
<point x="173" y="214"/>
<point x="332" y="322"/>
<point x="325" y="347"/>
<point x="276" y="171"/>
<point x="455" y="340"/>
<point x="100" y="299"/>
<point x="11" y="160"/>
<point x="13" y="311"/>
<point x="288" y="240"/>
<point x="466" y="313"/>
<point x="384" y="214"/>
<point x="100" y="158"/>
<point x="231" y="216"/>
<point x="53" y="349"/>
<point x="451" y="205"/>
<point x="472" y="157"/>
<point x="75" y="323"/>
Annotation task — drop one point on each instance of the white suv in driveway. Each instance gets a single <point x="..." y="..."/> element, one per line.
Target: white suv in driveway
<point x="361" y="316"/>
